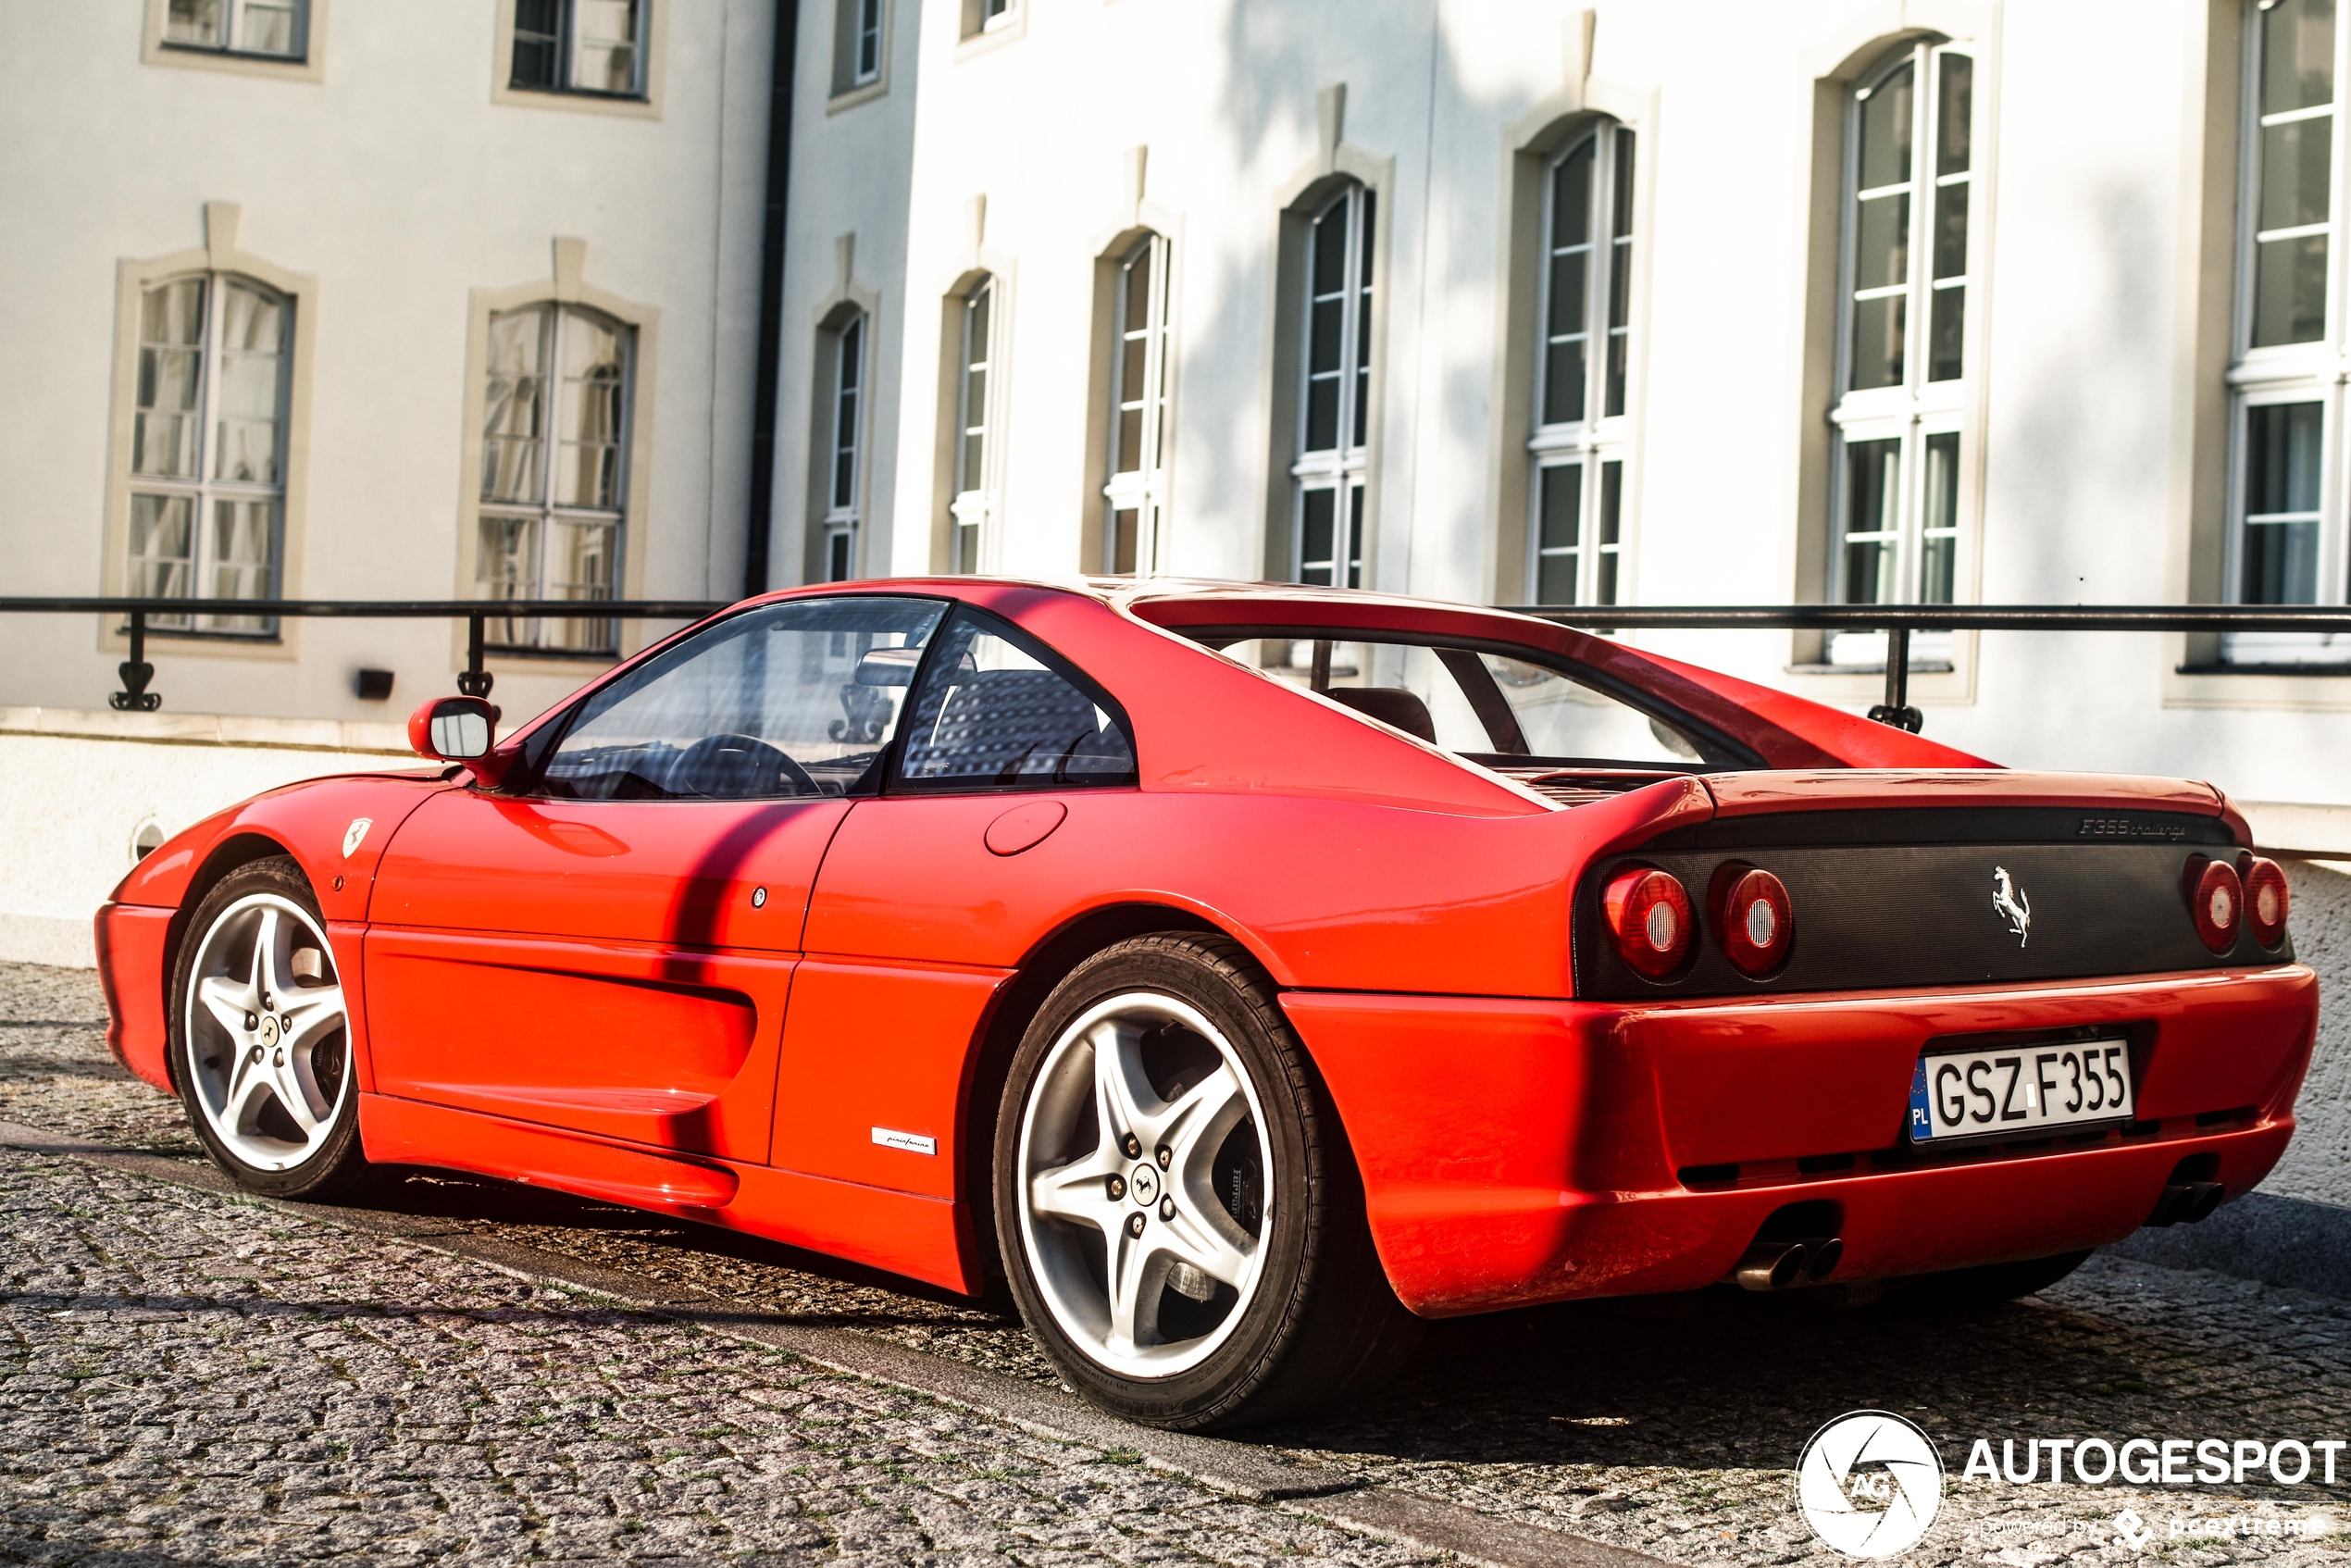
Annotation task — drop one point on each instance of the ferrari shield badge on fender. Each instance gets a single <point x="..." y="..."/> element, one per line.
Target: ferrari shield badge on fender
<point x="355" y="833"/>
<point x="2009" y="902"/>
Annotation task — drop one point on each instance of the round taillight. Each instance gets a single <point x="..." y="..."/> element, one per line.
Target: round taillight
<point x="1754" y="922"/>
<point x="2265" y="900"/>
<point x="1649" y="911"/>
<point x="2216" y="900"/>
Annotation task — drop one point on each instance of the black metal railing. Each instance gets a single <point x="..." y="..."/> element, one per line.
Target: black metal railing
<point x="1897" y="621"/>
<point x="474" y="681"/>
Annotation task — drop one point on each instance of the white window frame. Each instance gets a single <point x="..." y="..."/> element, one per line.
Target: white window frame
<point x="578" y="636"/>
<point x="1343" y="468"/>
<point x="1599" y="446"/>
<point x="641" y="101"/>
<point x="1916" y="410"/>
<point x="976" y="427"/>
<point x="1137" y="481"/>
<point x="305" y="62"/>
<point x="865" y="43"/>
<point x="2315" y="372"/>
<point x="845" y="439"/>
<point x="205" y="490"/>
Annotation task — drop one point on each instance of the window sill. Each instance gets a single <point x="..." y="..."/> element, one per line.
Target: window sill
<point x="565" y="656"/>
<point x="850" y="97"/>
<point x="246" y="57"/>
<point x="2340" y="667"/>
<point x="628" y="105"/>
<point x="587" y="92"/>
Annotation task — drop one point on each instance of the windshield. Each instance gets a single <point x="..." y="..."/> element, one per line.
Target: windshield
<point x="1488" y="706"/>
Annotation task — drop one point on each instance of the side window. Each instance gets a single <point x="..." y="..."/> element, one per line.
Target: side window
<point x="998" y="709"/>
<point x="797" y="699"/>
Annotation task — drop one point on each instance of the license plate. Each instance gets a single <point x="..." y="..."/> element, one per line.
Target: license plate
<point x="2019" y="1090"/>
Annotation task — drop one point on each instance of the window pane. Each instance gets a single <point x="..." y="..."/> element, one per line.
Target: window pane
<point x="868" y="42"/>
<point x="196" y="21"/>
<point x="1123" y="534"/>
<point x="1878" y="326"/>
<point x="1882" y="241"/>
<point x="1885" y="132"/>
<point x="998" y="709"/>
<point x="1318" y="520"/>
<point x="580" y="564"/>
<point x="789" y="701"/>
<point x="836" y="558"/>
<point x="1872" y="516"/>
<point x="2295" y="160"/>
<point x="1559" y="528"/>
<point x="1946" y="332"/>
<point x="2290" y="290"/>
<point x="1950" y="231"/>
<point x="588" y="424"/>
<point x="538" y="34"/>
<point x="510" y="425"/>
<point x="163" y="438"/>
<point x="1571" y="198"/>
<point x="1621" y="227"/>
<point x="2283" y="443"/>
<point x="162" y="546"/>
<point x="1611" y="520"/>
<point x="1954" y="105"/>
<point x="250" y="384"/>
<point x="1939" y="527"/>
<point x="1329" y="264"/>
<point x="604" y="45"/>
<point x="269" y="27"/>
<point x="2297" y="54"/>
<point x="2280" y="564"/>
<point x="244" y="533"/>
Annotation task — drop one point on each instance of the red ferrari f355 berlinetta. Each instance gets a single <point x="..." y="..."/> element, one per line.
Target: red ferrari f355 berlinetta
<point x="1234" y="974"/>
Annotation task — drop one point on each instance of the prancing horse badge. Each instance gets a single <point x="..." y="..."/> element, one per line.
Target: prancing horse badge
<point x="2008" y="900"/>
<point x="357" y="831"/>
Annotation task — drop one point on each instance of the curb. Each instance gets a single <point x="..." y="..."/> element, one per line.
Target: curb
<point x="1237" y="1470"/>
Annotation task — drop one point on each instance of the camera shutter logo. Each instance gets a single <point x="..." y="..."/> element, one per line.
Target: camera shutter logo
<point x="1870" y="1484"/>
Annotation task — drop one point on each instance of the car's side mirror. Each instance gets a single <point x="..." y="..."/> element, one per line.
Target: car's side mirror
<point x="452" y="729"/>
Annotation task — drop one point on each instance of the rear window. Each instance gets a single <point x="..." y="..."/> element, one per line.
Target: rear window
<point x="1486" y="705"/>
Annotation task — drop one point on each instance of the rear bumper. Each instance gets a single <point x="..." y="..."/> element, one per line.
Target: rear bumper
<point x="1515" y="1152"/>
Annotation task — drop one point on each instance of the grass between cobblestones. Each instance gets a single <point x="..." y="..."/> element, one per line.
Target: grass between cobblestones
<point x="188" y="1376"/>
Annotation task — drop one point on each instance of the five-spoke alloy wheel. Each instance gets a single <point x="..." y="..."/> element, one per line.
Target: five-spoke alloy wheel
<point x="262" y="1047"/>
<point x="1179" y="1212"/>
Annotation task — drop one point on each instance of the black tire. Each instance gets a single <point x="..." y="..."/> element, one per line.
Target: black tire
<point x="1972" y="1289"/>
<point x="328" y="1161"/>
<point x="1321" y="1324"/>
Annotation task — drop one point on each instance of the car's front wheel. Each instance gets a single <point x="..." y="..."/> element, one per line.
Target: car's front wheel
<point x="260" y="1036"/>
<point x="1179" y="1212"/>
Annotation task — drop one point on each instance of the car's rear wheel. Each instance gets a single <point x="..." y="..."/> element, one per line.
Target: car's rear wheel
<point x="260" y="1036"/>
<point x="1179" y="1212"/>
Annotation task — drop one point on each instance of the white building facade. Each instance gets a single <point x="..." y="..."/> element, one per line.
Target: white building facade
<point x="1516" y="301"/>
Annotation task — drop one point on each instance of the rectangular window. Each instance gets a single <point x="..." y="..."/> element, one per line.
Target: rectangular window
<point x="1902" y="399"/>
<point x="2286" y="537"/>
<point x="868" y="43"/>
<point x="1333" y="459"/>
<point x="276" y="29"/>
<point x="1580" y="436"/>
<point x="843" y="476"/>
<point x="554" y="427"/>
<point x="1133" y="495"/>
<point x="973" y="454"/>
<point x="588" y="46"/>
<point x="207" y="447"/>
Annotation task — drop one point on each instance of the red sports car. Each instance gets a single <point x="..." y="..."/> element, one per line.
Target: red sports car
<point x="1237" y="973"/>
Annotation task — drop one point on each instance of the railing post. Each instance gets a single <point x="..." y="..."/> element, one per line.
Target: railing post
<point x="1896" y="710"/>
<point x="134" y="697"/>
<point x="474" y="681"/>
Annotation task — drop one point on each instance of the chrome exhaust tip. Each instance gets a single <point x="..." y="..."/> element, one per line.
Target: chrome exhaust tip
<point x="1773" y="1266"/>
<point x="2187" y="1202"/>
<point x="1827" y="1255"/>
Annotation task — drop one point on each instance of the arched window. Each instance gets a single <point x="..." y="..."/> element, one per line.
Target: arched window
<point x="1133" y="495"/>
<point x="555" y="418"/>
<point x="1585" y="318"/>
<point x="1335" y="370"/>
<point x="1902" y="360"/>
<point x="2286" y="534"/>
<point x="843" y="457"/>
<point x="209" y="446"/>
<point x="975" y="442"/>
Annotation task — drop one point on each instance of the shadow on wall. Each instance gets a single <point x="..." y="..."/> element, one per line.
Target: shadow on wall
<point x="2295" y="1228"/>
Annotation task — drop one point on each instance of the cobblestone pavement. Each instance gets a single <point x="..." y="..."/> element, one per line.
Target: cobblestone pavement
<point x="1671" y="1427"/>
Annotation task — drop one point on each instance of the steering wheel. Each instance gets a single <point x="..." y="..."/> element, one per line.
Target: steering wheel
<point x="737" y="768"/>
